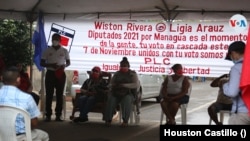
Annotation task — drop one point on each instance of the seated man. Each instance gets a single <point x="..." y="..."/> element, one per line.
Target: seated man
<point x="222" y="102"/>
<point x="93" y="90"/>
<point x="11" y="95"/>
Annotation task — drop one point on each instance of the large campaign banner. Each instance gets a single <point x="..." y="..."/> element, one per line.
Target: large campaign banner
<point x="151" y="47"/>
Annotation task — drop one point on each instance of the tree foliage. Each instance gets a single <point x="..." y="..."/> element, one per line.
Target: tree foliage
<point x="15" y="42"/>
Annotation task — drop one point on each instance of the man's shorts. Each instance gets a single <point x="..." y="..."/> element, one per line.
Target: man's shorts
<point x="184" y="100"/>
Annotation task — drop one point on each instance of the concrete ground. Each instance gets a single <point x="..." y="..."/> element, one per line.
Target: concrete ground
<point x="148" y="129"/>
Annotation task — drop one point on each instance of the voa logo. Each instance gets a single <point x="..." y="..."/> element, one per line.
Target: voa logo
<point x="238" y="23"/>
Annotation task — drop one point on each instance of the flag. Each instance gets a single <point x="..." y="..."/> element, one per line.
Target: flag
<point x="39" y="41"/>
<point x="245" y="79"/>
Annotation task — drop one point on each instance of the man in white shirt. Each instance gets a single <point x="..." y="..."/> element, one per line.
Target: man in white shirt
<point x="55" y="59"/>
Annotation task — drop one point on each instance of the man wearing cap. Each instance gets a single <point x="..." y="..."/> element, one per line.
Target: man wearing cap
<point x="93" y="90"/>
<point x="231" y="89"/>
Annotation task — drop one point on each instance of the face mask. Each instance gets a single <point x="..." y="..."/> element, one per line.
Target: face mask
<point x="179" y="72"/>
<point x="55" y="43"/>
<point x="234" y="61"/>
<point x="124" y="69"/>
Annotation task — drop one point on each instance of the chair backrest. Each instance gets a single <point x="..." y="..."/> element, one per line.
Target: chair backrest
<point x="7" y="123"/>
<point x="189" y="89"/>
<point x="184" y="105"/>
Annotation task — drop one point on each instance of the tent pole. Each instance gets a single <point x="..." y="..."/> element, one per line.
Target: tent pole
<point x="31" y="66"/>
<point x="42" y="92"/>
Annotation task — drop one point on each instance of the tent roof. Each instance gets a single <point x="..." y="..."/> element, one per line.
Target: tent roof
<point x="127" y="9"/>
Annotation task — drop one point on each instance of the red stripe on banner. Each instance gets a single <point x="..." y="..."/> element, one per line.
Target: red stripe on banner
<point x="64" y="41"/>
<point x="245" y="79"/>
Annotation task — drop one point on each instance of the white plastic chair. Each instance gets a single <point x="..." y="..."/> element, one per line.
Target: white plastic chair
<point x="222" y="112"/>
<point x="7" y="123"/>
<point x="183" y="108"/>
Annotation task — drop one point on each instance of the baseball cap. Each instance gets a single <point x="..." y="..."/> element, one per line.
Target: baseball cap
<point x="96" y="68"/>
<point x="237" y="46"/>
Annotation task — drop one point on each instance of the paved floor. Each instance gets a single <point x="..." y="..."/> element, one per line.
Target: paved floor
<point x="148" y="130"/>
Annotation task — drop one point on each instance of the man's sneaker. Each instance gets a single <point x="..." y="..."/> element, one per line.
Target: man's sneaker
<point x="58" y="119"/>
<point x="78" y="119"/>
<point x="47" y="119"/>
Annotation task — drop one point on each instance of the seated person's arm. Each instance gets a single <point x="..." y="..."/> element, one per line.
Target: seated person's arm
<point x="216" y="81"/>
<point x="84" y="89"/>
<point x="34" y="123"/>
<point x="87" y="92"/>
<point x="222" y="82"/>
<point x="112" y="81"/>
<point x="134" y="84"/>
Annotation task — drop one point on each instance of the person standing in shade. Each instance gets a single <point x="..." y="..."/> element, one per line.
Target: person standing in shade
<point x="239" y="112"/>
<point x="55" y="59"/>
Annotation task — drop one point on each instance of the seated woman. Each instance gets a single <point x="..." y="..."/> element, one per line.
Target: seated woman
<point x="123" y="84"/>
<point x="93" y="90"/>
<point x="174" y="91"/>
<point x="25" y="83"/>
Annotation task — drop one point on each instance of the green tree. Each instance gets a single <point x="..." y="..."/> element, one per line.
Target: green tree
<point x="15" y="42"/>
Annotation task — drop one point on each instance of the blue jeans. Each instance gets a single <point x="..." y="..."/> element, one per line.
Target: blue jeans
<point x="126" y="102"/>
<point x="86" y="103"/>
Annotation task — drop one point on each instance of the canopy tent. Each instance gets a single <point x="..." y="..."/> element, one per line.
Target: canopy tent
<point x="83" y="10"/>
<point x="124" y="9"/>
